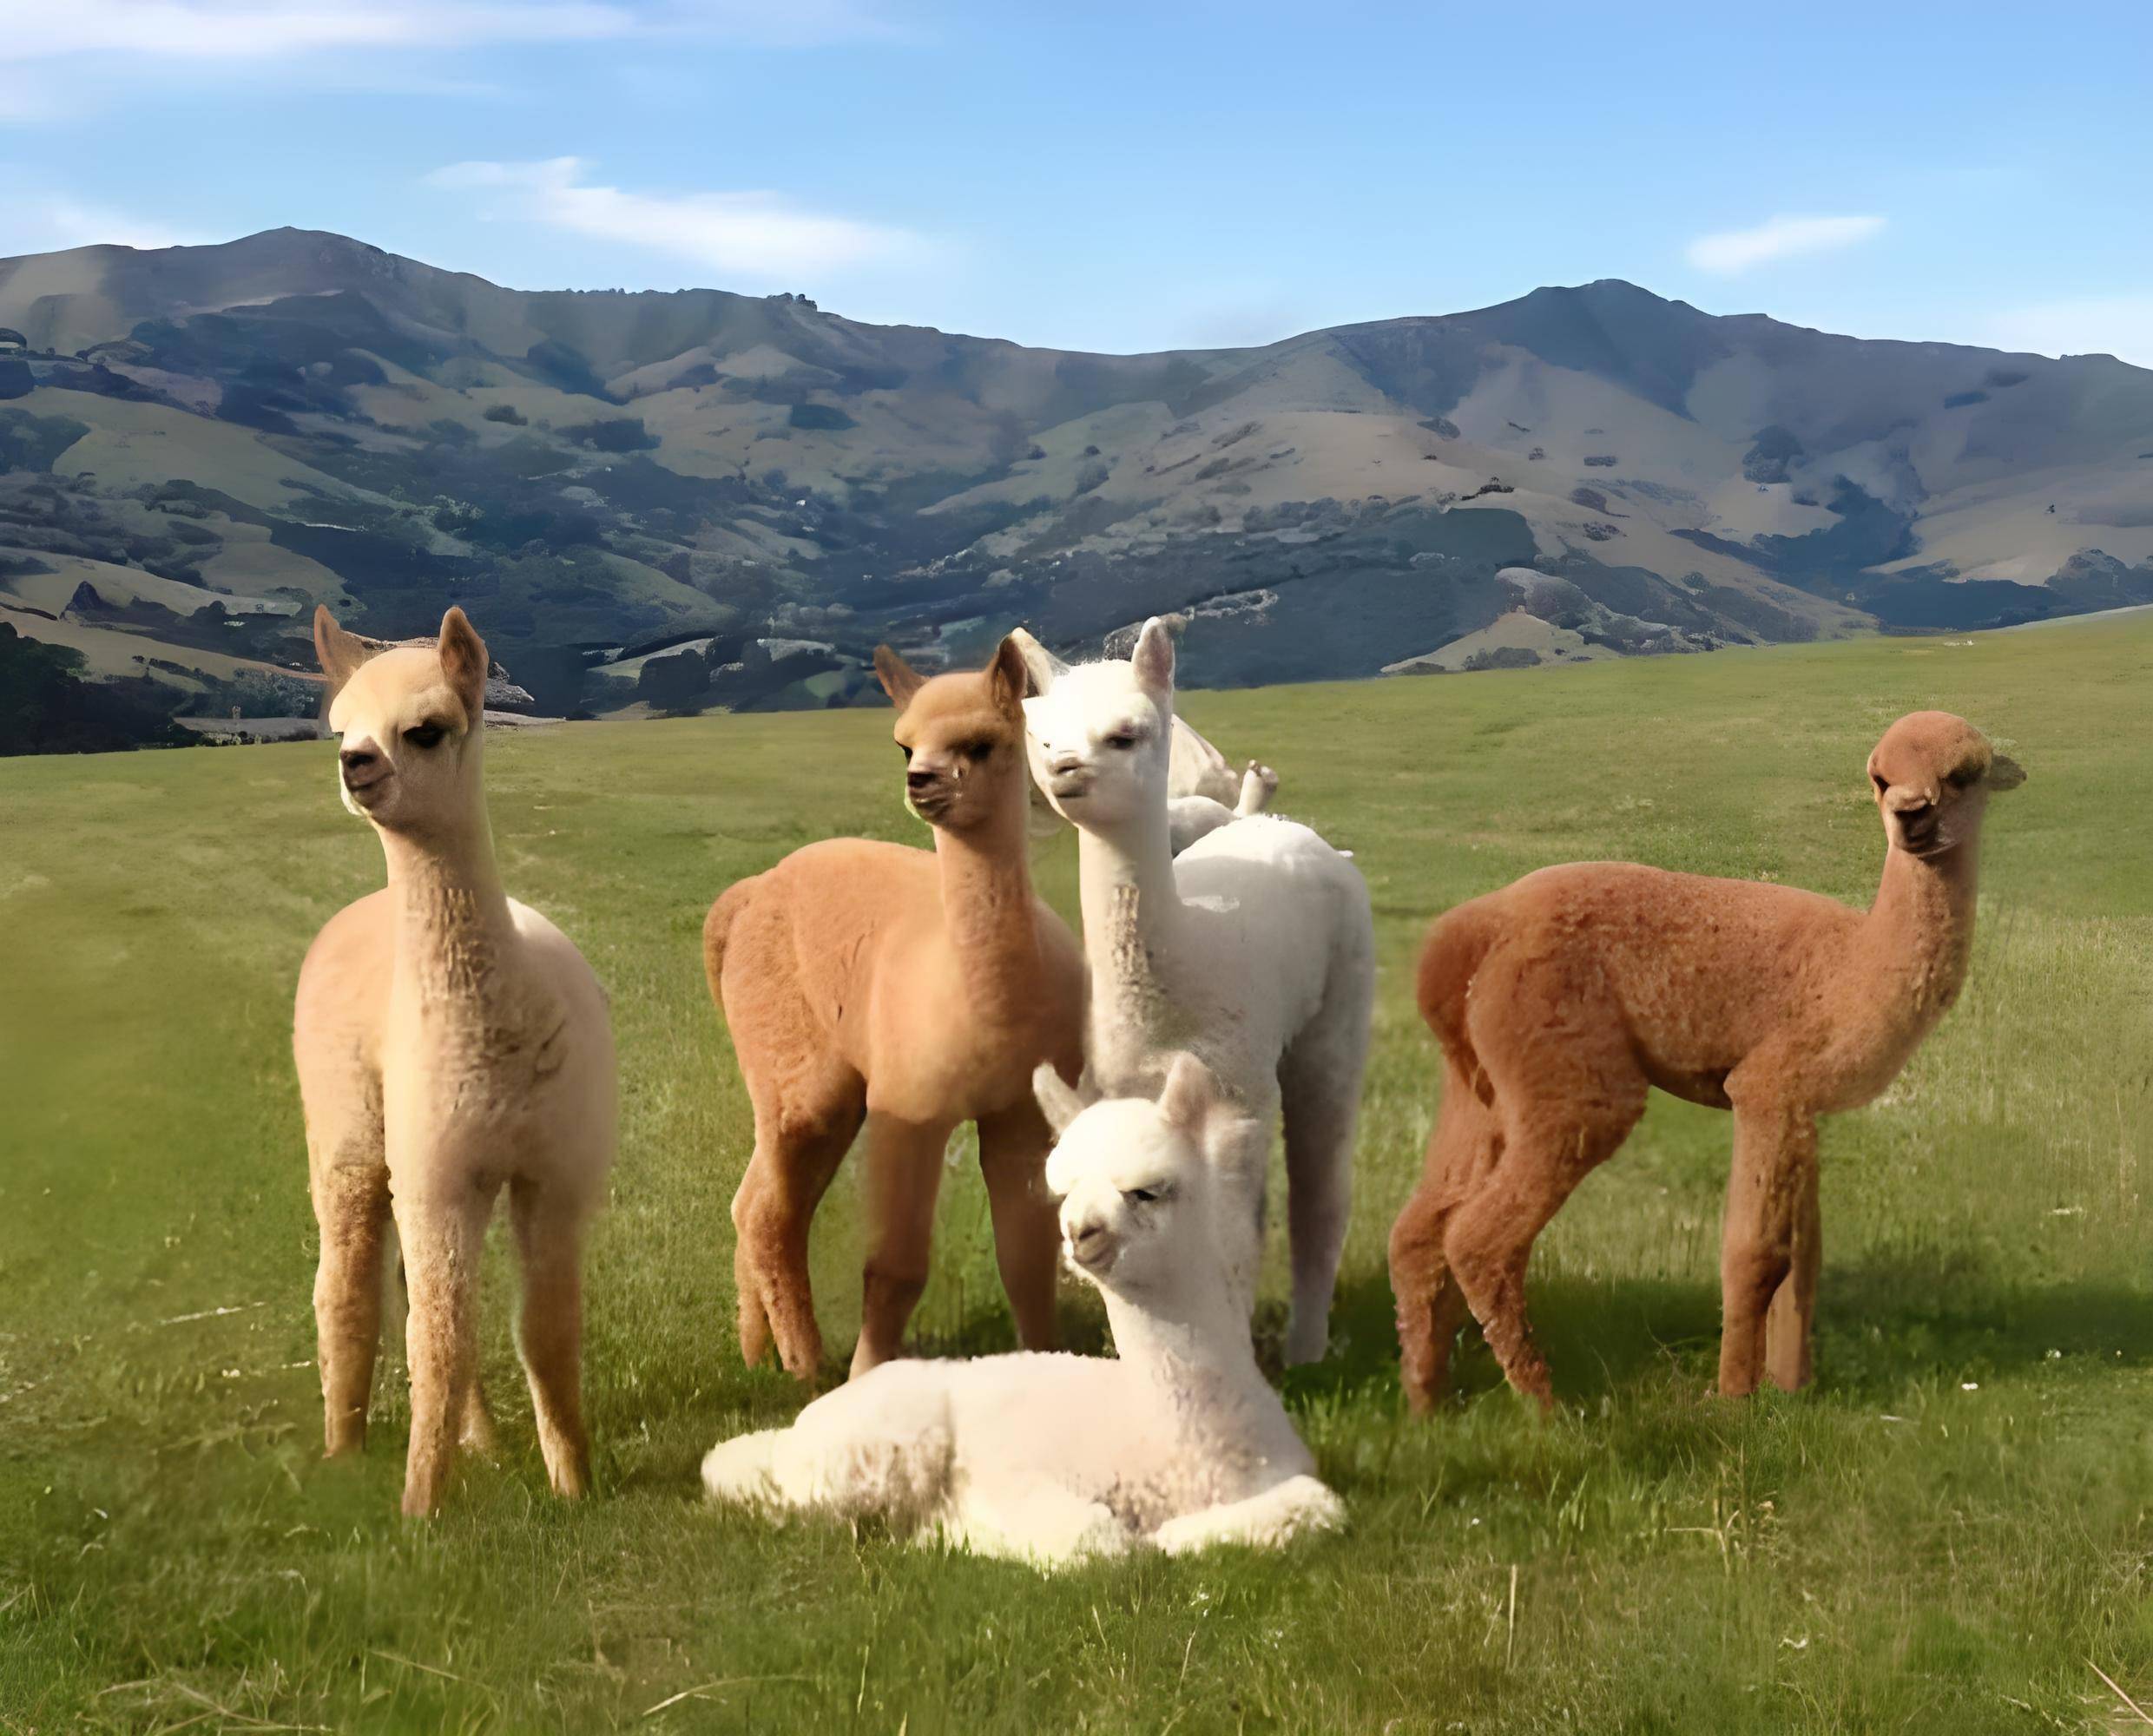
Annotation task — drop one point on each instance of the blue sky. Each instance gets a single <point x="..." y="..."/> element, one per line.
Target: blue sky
<point x="1117" y="177"/>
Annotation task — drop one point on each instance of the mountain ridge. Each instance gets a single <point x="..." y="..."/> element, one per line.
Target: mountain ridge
<point x="225" y="434"/>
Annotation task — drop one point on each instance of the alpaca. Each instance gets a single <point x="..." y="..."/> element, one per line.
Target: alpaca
<point x="449" y="1040"/>
<point x="1254" y="948"/>
<point x="914" y="990"/>
<point x="1204" y="792"/>
<point x="1177" y="1443"/>
<point x="1561" y="998"/>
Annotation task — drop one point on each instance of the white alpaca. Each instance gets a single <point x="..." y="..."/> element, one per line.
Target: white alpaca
<point x="1254" y="949"/>
<point x="1203" y="791"/>
<point x="1177" y="1443"/>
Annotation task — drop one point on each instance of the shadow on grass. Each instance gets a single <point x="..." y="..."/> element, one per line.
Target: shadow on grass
<point x="1882" y="1322"/>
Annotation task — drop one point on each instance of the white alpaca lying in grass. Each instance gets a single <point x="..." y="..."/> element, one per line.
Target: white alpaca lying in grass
<point x="1177" y="1443"/>
<point x="1253" y="947"/>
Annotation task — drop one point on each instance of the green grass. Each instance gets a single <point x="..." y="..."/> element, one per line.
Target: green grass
<point x="1944" y="1535"/>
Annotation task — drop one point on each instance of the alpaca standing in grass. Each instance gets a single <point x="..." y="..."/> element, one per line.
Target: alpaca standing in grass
<point x="913" y="990"/>
<point x="1178" y="1441"/>
<point x="449" y="1041"/>
<point x="1254" y="948"/>
<point x="1203" y="791"/>
<point x="1561" y="998"/>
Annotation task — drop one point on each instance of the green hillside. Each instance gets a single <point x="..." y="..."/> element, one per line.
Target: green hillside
<point x="1944" y="1535"/>
<point x="676" y="502"/>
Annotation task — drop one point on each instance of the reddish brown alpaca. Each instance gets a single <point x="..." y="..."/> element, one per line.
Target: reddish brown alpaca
<point x="915" y="991"/>
<point x="1561" y="998"/>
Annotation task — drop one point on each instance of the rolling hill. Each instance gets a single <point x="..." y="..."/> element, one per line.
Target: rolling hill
<point x="673" y="501"/>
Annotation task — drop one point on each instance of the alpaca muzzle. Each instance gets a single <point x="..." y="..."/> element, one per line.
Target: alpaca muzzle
<point x="1090" y="1248"/>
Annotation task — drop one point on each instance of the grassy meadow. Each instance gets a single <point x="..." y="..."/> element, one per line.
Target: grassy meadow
<point x="1952" y="1532"/>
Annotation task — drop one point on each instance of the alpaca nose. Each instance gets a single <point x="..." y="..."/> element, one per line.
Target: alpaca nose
<point x="1089" y="1243"/>
<point x="358" y="762"/>
<point x="1065" y="762"/>
<point x="917" y="780"/>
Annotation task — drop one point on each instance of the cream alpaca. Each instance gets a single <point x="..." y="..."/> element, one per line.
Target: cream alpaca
<point x="1204" y="792"/>
<point x="864" y="980"/>
<point x="1178" y="1442"/>
<point x="1561" y="998"/>
<point x="1254" y="948"/>
<point x="449" y="1041"/>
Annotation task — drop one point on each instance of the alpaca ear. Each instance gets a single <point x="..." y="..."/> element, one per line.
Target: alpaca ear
<point x="340" y="652"/>
<point x="1042" y="667"/>
<point x="1153" y="658"/>
<point x="1009" y="677"/>
<point x="464" y="660"/>
<point x="1191" y="1096"/>
<point x="900" y="679"/>
<point x="2005" y="772"/>
<point x="1058" y="1101"/>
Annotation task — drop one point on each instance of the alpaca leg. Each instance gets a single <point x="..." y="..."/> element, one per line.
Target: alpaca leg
<point x="1319" y="1094"/>
<point x="1027" y="1230"/>
<point x="1545" y="1155"/>
<point x="1280" y="1512"/>
<point x="351" y="1208"/>
<point x="442" y="1239"/>
<point x="1020" y="1515"/>
<point x="549" y="1331"/>
<point x="796" y="1154"/>
<point x="1774" y="1147"/>
<point x="904" y="1175"/>
<point x="1787" y="1323"/>
<point x="1258" y="784"/>
<point x="1462" y="1150"/>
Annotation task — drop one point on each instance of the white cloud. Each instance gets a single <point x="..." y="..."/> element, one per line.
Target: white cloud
<point x="1732" y="251"/>
<point x="762" y="237"/>
<point x="277" y="29"/>
<point x="2119" y="326"/>
<point x="35" y="222"/>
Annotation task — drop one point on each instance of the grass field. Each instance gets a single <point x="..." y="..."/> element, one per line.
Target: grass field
<point x="1949" y="1533"/>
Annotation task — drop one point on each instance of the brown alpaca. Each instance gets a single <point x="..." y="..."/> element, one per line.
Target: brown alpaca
<point x="449" y="1041"/>
<point x="914" y="990"/>
<point x="1561" y="998"/>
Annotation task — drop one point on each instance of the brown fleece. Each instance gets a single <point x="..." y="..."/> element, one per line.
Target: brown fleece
<point x="914" y="990"/>
<point x="1560" y="999"/>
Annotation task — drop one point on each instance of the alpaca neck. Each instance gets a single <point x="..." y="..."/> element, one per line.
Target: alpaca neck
<point x="988" y="911"/>
<point x="1191" y="1348"/>
<point x="1919" y="931"/>
<point x="453" y="927"/>
<point x="1131" y="905"/>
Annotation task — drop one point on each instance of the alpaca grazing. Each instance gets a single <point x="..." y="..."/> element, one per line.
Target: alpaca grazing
<point x="914" y="990"/>
<point x="1254" y="948"/>
<point x="1203" y="791"/>
<point x="449" y="1041"/>
<point x="1561" y="998"/>
<point x="1177" y="1443"/>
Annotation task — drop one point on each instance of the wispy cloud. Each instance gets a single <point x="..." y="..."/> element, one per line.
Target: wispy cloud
<point x="760" y="236"/>
<point x="1732" y="251"/>
<point x="41" y="222"/>
<point x="2119" y="326"/>
<point x="281" y="29"/>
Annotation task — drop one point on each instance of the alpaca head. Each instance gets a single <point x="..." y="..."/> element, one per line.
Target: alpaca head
<point x="408" y="719"/>
<point x="1101" y="738"/>
<point x="1932" y="774"/>
<point x="1154" y="1194"/>
<point x="962" y="737"/>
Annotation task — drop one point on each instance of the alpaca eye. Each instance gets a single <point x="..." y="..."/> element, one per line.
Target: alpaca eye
<point x="979" y="751"/>
<point x="1122" y="742"/>
<point x="1139" y="1196"/>
<point x="424" y="734"/>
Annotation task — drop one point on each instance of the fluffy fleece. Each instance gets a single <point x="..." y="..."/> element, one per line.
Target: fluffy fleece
<point x="1177" y="1444"/>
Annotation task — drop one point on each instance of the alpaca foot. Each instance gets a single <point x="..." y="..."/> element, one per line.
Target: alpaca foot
<point x="1258" y="784"/>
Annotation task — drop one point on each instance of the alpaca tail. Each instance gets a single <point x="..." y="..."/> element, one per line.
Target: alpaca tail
<point x="744" y="1468"/>
<point x="716" y="927"/>
<point x="1457" y="942"/>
